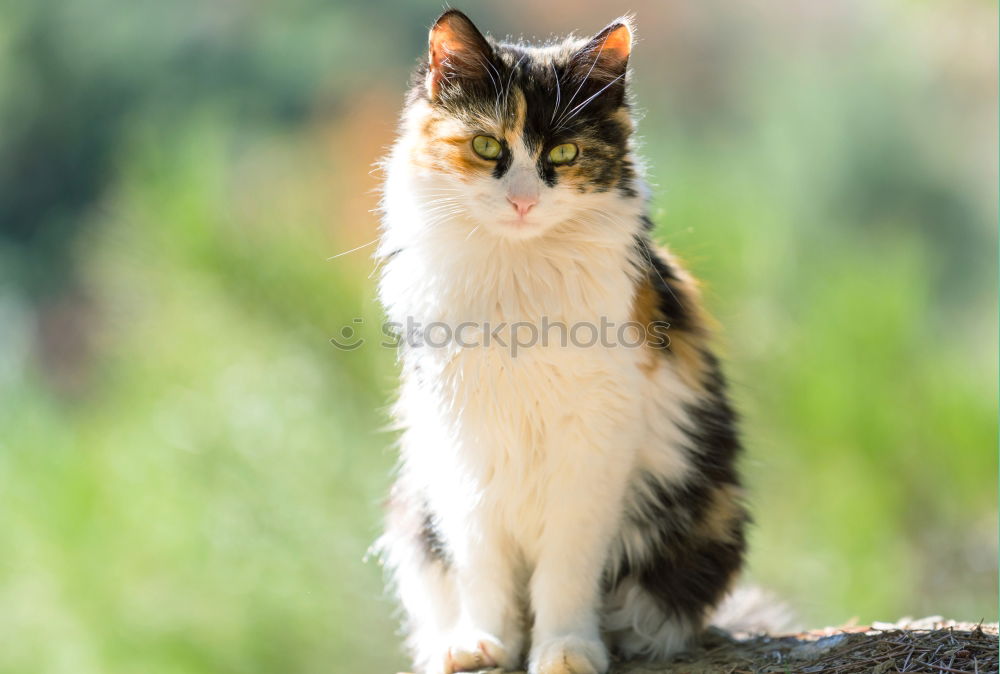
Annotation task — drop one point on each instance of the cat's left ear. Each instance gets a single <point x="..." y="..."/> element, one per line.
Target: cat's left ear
<point x="603" y="61"/>
<point x="456" y="50"/>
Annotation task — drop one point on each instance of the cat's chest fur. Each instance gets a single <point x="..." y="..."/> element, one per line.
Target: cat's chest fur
<point x="533" y="381"/>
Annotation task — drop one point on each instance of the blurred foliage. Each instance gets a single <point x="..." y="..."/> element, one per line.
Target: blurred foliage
<point x="190" y="473"/>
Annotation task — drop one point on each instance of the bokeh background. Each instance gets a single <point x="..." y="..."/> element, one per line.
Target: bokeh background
<point x="190" y="473"/>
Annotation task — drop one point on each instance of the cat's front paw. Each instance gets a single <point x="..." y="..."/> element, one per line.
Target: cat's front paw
<point x="473" y="651"/>
<point x="569" y="655"/>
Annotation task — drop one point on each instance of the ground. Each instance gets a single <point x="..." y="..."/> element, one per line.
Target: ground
<point x="928" y="645"/>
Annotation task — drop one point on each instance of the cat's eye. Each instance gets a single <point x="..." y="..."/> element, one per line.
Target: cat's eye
<point x="486" y="147"/>
<point x="563" y="154"/>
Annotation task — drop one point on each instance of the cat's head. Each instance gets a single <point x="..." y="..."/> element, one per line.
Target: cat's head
<point x="519" y="140"/>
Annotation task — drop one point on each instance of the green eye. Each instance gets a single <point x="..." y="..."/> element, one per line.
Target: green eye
<point x="486" y="147"/>
<point x="563" y="154"/>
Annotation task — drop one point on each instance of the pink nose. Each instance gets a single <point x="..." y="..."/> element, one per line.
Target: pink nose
<point x="522" y="204"/>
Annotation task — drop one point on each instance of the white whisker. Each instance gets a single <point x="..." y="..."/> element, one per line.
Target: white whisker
<point x="558" y="92"/>
<point x="579" y="107"/>
<point x="597" y="57"/>
<point x="649" y="258"/>
<point x="510" y="79"/>
<point x="364" y="245"/>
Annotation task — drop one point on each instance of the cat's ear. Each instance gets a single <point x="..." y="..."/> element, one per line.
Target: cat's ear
<point x="457" y="50"/>
<point x="603" y="61"/>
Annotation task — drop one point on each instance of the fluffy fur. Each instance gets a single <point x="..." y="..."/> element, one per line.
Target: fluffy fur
<point x="567" y="501"/>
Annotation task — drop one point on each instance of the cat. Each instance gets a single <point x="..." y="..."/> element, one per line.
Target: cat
<point x="574" y="499"/>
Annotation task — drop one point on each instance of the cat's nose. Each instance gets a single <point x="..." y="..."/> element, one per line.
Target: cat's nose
<point x="522" y="203"/>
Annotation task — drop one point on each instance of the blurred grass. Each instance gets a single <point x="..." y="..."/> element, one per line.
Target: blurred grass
<point x="190" y="473"/>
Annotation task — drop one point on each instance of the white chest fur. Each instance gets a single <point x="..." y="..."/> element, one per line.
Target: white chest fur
<point x="539" y="386"/>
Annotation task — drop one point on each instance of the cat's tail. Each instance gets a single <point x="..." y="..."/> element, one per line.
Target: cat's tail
<point x="750" y="610"/>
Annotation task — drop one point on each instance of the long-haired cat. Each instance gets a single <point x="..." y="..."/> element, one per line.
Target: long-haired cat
<point x="562" y="495"/>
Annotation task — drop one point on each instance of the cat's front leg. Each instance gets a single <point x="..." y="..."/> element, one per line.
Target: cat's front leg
<point x="580" y="523"/>
<point x="489" y="629"/>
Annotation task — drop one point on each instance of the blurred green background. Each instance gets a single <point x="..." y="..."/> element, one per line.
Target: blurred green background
<point x="190" y="473"/>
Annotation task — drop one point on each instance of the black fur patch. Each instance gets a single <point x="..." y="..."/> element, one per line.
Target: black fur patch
<point x="430" y="539"/>
<point x="503" y="162"/>
<point x="713" y="430"/>
<point x="409" y="516"/>
<point x="665" y="281"/>
<point x="689" y="580"/>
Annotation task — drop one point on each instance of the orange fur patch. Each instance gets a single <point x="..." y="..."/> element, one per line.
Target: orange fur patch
<point x="441" y="148"/>
<point x="618" y="43"/>
<point x="685" y="346"/>
<point x="724" y="514"/>
<point x="645" y="312"/>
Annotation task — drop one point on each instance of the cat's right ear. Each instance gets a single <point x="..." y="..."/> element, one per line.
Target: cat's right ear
<point x="457" y="50"/>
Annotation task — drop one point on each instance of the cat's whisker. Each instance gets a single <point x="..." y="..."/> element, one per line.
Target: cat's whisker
<point x="510" y="79"/>
<point x="558" y="92"/>
<point x="437" y="190"/>
<point x="438" y="218"/>
<point x="443" y="212"/>
<point x="379" y="262"/>
<point x="439" y="203"/>
<point x="496" y="83"/>
<point x="440" y="195"/>
<point x="649" y="258"/>
<point x="607" y="217"/>
<point x="579" y="107"/>
<point x="444" y="199"/>
<point x="597" y="57"/>
<point x="484" y="62"/>
<point x="346" y="252"/>
<point x="441" y="200"/>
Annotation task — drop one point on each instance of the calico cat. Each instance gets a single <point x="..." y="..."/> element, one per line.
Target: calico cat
<point x="574" y="498"/>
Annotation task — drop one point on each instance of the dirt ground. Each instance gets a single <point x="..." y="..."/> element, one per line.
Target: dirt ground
<point x="928" y="645"/>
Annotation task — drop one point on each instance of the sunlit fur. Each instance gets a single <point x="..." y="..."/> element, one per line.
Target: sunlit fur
<point x="568" y="501"/>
